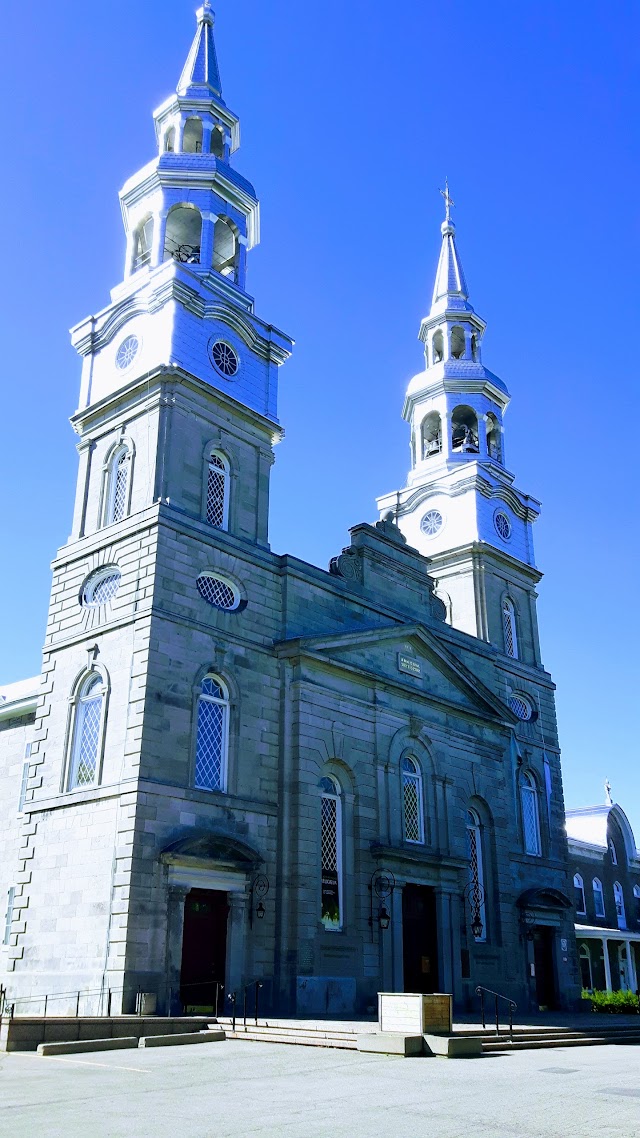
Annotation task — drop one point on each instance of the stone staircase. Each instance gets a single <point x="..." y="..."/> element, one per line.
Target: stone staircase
<point x="344" y="1036"/>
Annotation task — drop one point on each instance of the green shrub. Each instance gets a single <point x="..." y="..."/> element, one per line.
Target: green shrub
<point x="612" y="1003"/>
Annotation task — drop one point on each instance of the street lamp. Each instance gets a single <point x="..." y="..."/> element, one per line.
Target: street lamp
<point x="384" y="917"/>
<point x="260" y="911"/>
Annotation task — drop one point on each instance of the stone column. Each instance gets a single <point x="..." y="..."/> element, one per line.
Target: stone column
<point x="447" y="967"/>
<point x="236" y="976"/>
<point x="396" y="961"/>
<point x="607" y="964"/>
<point x="173" y="952"/>
<point x="157" y="245"/>
<point x="206" y="239"/>
<point x="631" y="971"/>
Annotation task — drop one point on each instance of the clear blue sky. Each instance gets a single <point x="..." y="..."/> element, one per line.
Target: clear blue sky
<point x="352" y="114"/>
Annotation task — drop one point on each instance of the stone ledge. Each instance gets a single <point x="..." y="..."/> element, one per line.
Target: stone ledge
<point x="391" y="1043"/>
<point x="79" y="1046"/>
<point x="187" y="1037"/>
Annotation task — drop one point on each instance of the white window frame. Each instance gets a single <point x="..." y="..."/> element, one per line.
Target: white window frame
<point x="122" y="452"/>
<point x="225" y="475"/>
<point x="618" y="896"/>
<point x="413" y="779"/>
<point x="509" y="628"/>
<point x="532" y="840"/>
<point x="585" y="954"/>
<point x="578" y="884"/>
<point x="83" y="694"/>
<point x="474" y="834"/>
<point x="612" y="852"/>
<point x="223" y="702"/>
<point x="334" y="795"/>
<point x="598" y="891"/>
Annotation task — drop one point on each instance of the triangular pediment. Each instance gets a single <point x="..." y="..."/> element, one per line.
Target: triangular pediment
<point x="410" y="655"/>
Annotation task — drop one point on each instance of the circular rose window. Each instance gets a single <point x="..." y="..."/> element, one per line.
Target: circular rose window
<point x="503" y="525"/>
<point x="432" y="523"/>
<point x="127" y="352"/>
<point x="224" y="359"/>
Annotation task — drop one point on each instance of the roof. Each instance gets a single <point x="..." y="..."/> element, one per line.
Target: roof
<point x="200" y="75"/>
<point x="591" y="824"/>
<point x="20" y="697"/>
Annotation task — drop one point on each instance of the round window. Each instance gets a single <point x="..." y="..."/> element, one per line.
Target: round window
<point x="224" y="359"/>
<point x="432" y="523"/>
<point x="217" y="592"/>
<point x="503" y="525"/>
<point x="127" y="352"/>
<point x="521" y="707"/>
<point x="100" y="587"/>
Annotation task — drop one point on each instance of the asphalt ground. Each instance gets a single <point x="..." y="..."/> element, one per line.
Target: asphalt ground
<point x="238" y="1089"/>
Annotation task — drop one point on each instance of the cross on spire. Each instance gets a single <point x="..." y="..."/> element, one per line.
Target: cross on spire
<point x="448" y="200"/>
<point x="607" y="790"/>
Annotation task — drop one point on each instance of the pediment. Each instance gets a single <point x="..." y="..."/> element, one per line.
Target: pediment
<point x="412" y="656"/>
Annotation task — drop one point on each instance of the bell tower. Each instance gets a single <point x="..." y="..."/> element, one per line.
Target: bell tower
<point x="460" y="506"/>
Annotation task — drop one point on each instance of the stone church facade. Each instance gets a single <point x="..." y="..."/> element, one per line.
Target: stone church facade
<point x="237" y="766"/>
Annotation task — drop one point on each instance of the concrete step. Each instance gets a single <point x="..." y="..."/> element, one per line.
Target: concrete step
<point x="340" y="1042"/>
<point x="539" y="1044"/>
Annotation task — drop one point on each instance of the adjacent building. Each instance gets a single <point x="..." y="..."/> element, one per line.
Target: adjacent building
<point x="237" y="766"/>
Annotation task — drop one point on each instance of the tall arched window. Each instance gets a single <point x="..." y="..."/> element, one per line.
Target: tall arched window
<point x="586" y="974"/>
<point x="578" y="893"/>
<point x="494" y="438"/>
<point x="636" y="895"/>
<point x="598" y="898"/>
<point x="143" y="243"/>
<point x="437" y="345"/>
<point x="509" y="628"/>
<point x="618" y="897"/>
<point x="464" y="430"/>
<point x="476" y="873"/>
<point x="431" y="432"/>
<point x="224" y="248"/>
<point x="116" y="506"/>
<point x="212" y="735"/>
<point x="217" y="493"/>
<point x="331" y="854"/>
<point x="86" y="735"/>
<point x="170" y="140"/>
<point x="192" y="137"/>
<point x="458" y="343"/>
<point x="412" y="808"/>
<point x="530" y="815"/>
<point x="183" y="235"/>
<point x="612" y="852"/>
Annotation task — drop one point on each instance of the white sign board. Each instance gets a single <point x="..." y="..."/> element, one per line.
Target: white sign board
<point x="400" y="1012"/>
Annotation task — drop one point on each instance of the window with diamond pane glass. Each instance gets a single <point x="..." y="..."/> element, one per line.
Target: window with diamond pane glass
<point x="86" y="734"/>
<point x="530" y="819"/>
<point x="117" y="503"/>
<point x="476" y="872"/>
<point x="412" y="801"/>
<point x="331" y="855"/>
<point x="216" y="592"/>
<point x="509" y="624"/>
<point x="217" y="491"/>
<point x="212" y="736"/>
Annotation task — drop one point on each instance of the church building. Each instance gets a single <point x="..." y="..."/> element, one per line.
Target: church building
<point x="239" y="767"/>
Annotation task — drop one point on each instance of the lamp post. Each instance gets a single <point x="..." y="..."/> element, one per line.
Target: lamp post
<point x="474" y="898"/>
<point x="382" y="884"/>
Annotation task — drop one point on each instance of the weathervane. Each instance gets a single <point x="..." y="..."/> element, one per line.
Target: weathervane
<point x="448" y="200"/>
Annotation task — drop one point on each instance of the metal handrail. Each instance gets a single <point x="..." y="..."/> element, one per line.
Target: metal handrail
<point x="480" y="991"/>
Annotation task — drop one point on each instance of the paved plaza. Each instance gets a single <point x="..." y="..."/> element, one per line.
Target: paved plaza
<point x="240" y="1089"/>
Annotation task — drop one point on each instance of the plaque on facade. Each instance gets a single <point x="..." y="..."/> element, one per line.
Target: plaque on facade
<point x="409" y="664"/>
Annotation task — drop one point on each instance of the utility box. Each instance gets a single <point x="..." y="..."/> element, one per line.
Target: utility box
<point x="414" y="1013"/>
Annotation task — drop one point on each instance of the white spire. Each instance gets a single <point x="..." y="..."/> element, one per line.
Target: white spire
<point x="450" y="284"/>
<point x="200" y="75"/>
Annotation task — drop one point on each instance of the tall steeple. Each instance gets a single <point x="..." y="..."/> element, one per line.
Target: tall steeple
<point x="460" y="506"/>
<point x="200" y="75"/>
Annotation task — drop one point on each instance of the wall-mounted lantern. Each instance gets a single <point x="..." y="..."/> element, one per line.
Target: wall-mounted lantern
<point x="382" y="884"/>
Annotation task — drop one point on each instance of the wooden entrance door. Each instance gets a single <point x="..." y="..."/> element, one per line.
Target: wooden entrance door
<point x="419" y="939"/>
<point x="543" y="938"/>
<point x="204" y="948"/>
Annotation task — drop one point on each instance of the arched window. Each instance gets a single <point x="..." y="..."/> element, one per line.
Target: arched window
<point x="183" y="235"/>
<point x="142" y="245"/>
<point x="170" y="140"/>
<point x="475" y="347"/>
<point x="494" y="438"/>
<point x="217" y="493"/>
<point x="612" y="852"/>
<point x="509" y="628"/>
<point x="86" y="733"/>
<point x="431" y="435"/>
<point x="598" y="898"/>
<point x="217" y="142"/>
<point x="331" y="854"/>
<point x="530" y="816"/>
<point x="458" y="345"/>
<point x="618" y="897"/>
<point x="464" y="430"/>
<point x="412" y="807"/>
<point x="212" y="735"/>
<point x="437" y="345"/>
<point x="578" y="894"/>
<point x="476" y="873"/>
<point x="192" y="137"/>
<point x="224" y="249"/>
<point x="636" y="895"/>
<point x="116" y="502"/>
<point x="586" y="975"/>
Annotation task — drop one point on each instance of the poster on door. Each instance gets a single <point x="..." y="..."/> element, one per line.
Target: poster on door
<point x="330" y="900"/>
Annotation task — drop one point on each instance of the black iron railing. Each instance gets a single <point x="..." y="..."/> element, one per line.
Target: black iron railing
<point x="511" y="1004"/>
